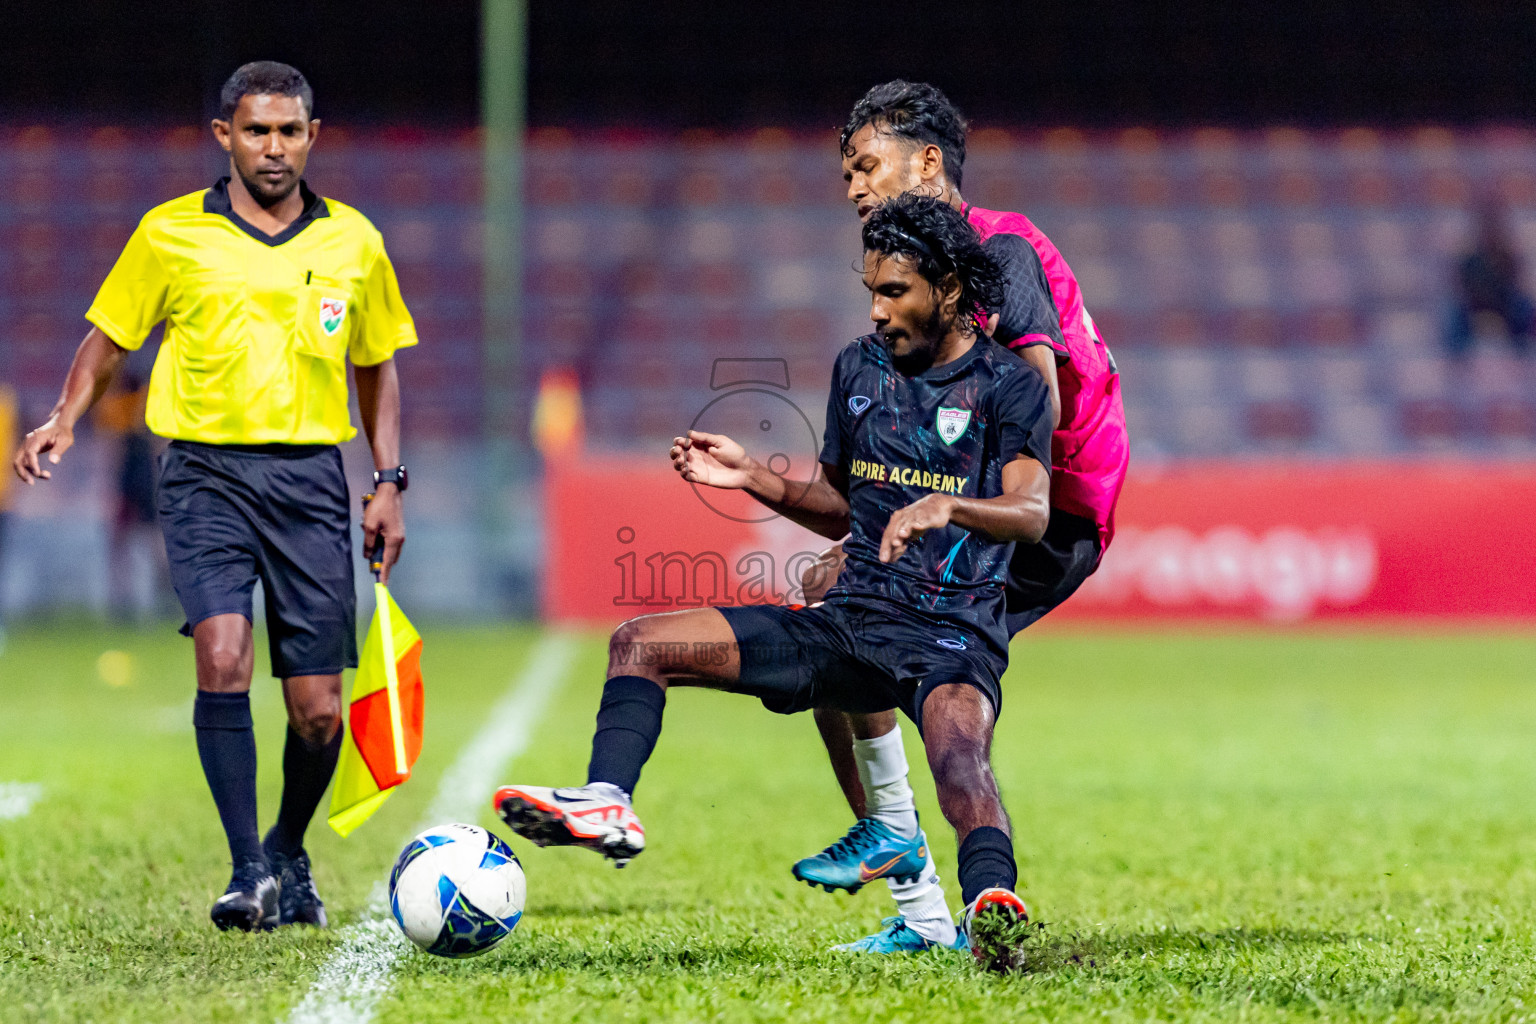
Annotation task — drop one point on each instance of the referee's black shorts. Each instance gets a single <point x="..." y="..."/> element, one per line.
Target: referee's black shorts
<point x="857" y="658"/>
<point x="1041" y="576"/>
<point x="233" y="514"/>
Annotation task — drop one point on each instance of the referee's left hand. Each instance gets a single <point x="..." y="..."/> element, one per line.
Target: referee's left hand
<point x="385" y="517"/>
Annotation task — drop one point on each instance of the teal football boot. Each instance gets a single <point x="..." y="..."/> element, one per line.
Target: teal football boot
<point x="895" y="937"/>
<point x="869" y="851"/>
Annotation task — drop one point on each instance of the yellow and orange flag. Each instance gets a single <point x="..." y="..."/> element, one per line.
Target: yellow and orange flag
<point x="385" y="719"/>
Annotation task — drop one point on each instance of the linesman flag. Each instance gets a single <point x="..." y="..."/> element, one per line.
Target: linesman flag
<point x="384" y="722"/>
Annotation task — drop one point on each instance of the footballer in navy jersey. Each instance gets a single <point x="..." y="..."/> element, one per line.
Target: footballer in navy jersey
<point x="904" y="137"/>
<point x="937" y="460"/>
<point x="898" y="437"/>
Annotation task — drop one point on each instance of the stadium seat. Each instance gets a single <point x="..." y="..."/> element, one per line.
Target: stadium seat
<point x="1286" y="422"/>
<point x="1327" y="326"/>
<point x="572" y="282"/>
<point x="1510" y="419"/>
<point x="1181" y="328"/>
<point x="1222" y="189"/>
<point x="1358" y="427"/>
<point x="1432" y="422"/>
<point x="1256" y="328"/>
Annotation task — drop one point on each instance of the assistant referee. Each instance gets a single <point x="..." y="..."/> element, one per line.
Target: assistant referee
<point x="267" y="291"/>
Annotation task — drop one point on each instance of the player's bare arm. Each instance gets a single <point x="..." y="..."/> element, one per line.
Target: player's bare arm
<point x="1020" y="513"/>
<point x="715" y="460"/>
<point x="378" y="399"/>
<point x="96" y="362"/>
<point x="1044" y="361"/>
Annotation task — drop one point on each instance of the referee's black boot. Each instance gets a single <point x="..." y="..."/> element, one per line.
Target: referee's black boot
<point x="250" y="902"/>
<point x="299" y="901"/>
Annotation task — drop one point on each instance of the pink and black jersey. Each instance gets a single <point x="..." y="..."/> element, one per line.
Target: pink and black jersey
<point x="1043" y="305"/>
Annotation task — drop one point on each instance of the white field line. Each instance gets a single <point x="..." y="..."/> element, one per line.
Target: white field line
<point x="359" y="969"/>
<point x="17" y="798"/>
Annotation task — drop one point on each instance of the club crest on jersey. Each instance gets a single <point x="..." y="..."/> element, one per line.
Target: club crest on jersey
<point x="951" y="423"/>
<point x="332" y="313"/>
<point x="857" y="404"/>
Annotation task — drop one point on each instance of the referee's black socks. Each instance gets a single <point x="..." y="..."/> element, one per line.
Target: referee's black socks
<point x="986" y="862"/>
<point x="226" y="744"/>
<point x="628" y="722"/>
<point x="307" y="771"/>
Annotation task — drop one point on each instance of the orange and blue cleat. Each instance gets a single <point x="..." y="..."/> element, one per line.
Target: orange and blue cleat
<point x="870" y="850"/>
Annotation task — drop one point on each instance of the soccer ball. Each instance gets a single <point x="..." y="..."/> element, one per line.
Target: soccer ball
<point x="457" y="890"/>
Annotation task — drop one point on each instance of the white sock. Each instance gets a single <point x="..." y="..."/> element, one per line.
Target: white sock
<point x="922" y="903"/>
<point x="882" y="764"/>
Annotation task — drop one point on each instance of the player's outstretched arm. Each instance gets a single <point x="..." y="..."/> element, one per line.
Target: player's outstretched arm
<point x="715" y="460"/>
<point x="1020" y="513"/>
<point x="96" y="361"/>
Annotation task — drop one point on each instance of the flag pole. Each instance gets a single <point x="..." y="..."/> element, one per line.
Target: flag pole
<point x="387" y="639"/>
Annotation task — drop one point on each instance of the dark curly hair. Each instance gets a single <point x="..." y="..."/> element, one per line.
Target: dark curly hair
<point x="915" y="111"/>
<point x="264" y="78"/>
<point x="939" y="241"/>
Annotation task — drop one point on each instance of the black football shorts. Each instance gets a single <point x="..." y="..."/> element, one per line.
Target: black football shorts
<point x="233" y="514"/>
<point x="855" y="657"/>
<point x="1041" y="576"/>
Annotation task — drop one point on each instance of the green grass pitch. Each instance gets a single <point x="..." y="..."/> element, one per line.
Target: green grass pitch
<point x="1212" y="826"/>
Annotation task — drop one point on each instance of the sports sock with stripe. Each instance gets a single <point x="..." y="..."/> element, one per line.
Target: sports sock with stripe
<point x="226" y="745"/>
<point x="628" y="723"/>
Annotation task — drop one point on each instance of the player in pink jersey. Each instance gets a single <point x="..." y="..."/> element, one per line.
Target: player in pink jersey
<point x="902" y="137"/>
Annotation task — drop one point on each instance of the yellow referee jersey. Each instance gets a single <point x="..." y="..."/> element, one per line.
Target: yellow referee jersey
<point x="258" y="328"/>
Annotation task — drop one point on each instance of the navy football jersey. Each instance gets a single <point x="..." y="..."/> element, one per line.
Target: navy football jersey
<point x="949" y="429"/>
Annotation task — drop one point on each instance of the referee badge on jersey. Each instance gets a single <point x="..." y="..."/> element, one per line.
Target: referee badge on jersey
<point x="332" y="313"/>
<point x="951" y="423"/>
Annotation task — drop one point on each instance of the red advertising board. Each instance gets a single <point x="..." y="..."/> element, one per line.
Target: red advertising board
<point x="1282" y="542"/>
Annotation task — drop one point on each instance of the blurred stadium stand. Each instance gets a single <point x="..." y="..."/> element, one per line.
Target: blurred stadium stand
<point x="1265" y="292"/>
<point x="1276" y="292"/>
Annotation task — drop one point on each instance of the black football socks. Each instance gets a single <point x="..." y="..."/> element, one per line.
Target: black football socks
<point x="628" y="722"/>
<point x="986" y="862"/>
<point x="307" y="771"/>
<point x="226" y="744"/>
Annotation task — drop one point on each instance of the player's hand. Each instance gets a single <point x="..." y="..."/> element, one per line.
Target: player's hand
<point x="908" y="524"/>
<point x="385" y="517"/>
<point x="713" y="460"/>
<point x="990" y="327"/>
<point x="52" y="439"/>
<point x="822" y="573"/>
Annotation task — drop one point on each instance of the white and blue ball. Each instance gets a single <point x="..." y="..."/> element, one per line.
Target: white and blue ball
<point x="457" y="890"/>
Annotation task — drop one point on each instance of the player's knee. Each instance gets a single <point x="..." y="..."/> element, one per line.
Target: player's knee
<point x="625" y="640"/>
<point x="631" y="649"/>
<point x="316" y="721"/>
<point x="223" y="667"/>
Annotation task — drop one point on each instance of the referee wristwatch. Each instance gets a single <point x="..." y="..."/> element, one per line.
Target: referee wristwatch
<point x="396" y="476"/>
